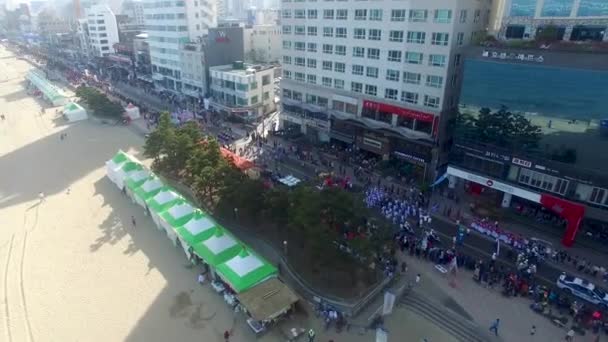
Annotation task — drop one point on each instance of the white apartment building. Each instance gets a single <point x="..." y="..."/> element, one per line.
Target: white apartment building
<point x="193" y="69"/>
<point x="380" y="75"/>
<point x="171" y="24"/>
<point x="243" y="90"/>
<point x="575" y="20"/>
<point x="263" y="43"/>
<point x="135" y="10"/>
<point x="102" y="30"/>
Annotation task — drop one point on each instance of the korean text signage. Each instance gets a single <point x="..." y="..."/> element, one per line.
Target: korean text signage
<point x="409" y="113"/>
<point x="490" y="183"/>
<point x="513" y="56"/>
<point x="522" y="162"/>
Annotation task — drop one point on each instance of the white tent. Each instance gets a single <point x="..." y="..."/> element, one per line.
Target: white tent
<point x="132" y="112"/>
<point x="74" y="112"/>
<point x="114" y="164"/>
<point x="174" y="217"/>
<point x="159" y="203"/>
<point x="148" y="187"/>
<point x="124" y="171"/>
<point x="290" y="181"/>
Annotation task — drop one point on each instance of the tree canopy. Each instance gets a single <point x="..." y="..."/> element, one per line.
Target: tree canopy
<point x="99" y="102"/>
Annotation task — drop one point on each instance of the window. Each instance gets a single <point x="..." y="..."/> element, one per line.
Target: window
<point x="460" y="38"/>
<point x="312" y="79"/>
<point x="409" y="97"/>
<point x="356" y="87"/>
<point x="286" y="45"/>
<point x="413" y="57"/>
<point x="266" y="95"/>
<point x="286" y="93"/>
<point x="360" y="14"/>
<point x="312" y="30"/>
<point x="326" y="81"/>
<point x="286" y="14"/>
<point x="440" y="39"/>
<point x="357" y="69"/>
<point x="328" y="65"/>
<point x="374" y="34"/>
<point x="375" y="15"/>
<point x="463" y="16"/>
<point x="286" y="74"/>
<point x="299" y="30"/>
<point x="371" y="90"/>
<point x="312" y="14"/>
<point x="443" y="16"/>
<point x="328" y="14"/>
<point x="358" y="51"/>
<point x="434" y="81"/>
<point x="342" y="14"/>
<point x="395" y="36"/>
<point x="340" y="32"/>
<point x="328" y="32"/>
<point x="391" y="94"/>
<point x="373" y="53"/>
<point x="415" y="37"/>
<point x="299" y="61"/>
<point x="371" y="72"/>
<point x="437" y="60"/>
<point x="312" y="47"/>
<point x="551" y="183"/>
<point x="431" y="101"/>
<point x="597" y="194"/>
<point x="394" y="56"/>
<point x="398" y="15"/>
<point x="339" y="67"/>
<point x="340" y="50"/>
<point x="299" y="14"/>
<point x="411" y="77"/>
<point x="477" y="15"/>
<point x="359" y="33"/>
<point x="286" y="59"/>
<point x="418" y="16"/>
<point x="299" y="76"/>
<point x="265" y="80"/>
<point x="254" y="99"/>
<point x="338" y="84"/>
<point x="299" y="46"/>
<point x="286" y="29"/>
<point x="328" y="48"/>
<point x="392" y="75"/>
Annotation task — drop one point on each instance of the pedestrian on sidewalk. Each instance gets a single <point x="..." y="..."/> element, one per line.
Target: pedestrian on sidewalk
<point x="533" y="330"/>
<point x="494" y="326"/>
<point x="311" y="335"/>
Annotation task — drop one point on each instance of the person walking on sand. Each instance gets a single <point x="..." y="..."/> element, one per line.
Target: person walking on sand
<point x="533" y="330"/>
<point x="494" y="326"/>
<point x="41" y="197"/>
<point x="133" y="222"/>
<point x="226" y="336"/>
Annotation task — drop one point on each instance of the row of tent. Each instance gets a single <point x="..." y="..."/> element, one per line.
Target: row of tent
<point x="195" y="230"/>
<point x="46" y="87"/>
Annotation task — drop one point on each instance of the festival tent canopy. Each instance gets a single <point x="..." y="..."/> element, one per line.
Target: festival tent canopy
<point x="132" y="111"/>
<point x="221" y="246"/>
<point x="245" y="270"/>
<point x="268" y="300"/>
<point x="290" y="181"/>
<point x="179" y="214"/>
<point x="147" y="190"/>
<point x="199" y="228"/>
<point x="116" y="161"/>
<point x="163" y="200"/>
<point x="74" y="112"/>
<point x="51" y="92"/>
<point x="124" y="171"/>
<point x="136" y="179"/>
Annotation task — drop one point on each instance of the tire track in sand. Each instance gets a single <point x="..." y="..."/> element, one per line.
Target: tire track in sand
<point x="7" y="316"/>
<point x="26" y="314"/>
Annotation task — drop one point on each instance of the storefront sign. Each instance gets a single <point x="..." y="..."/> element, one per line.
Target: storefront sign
<point x="409" y="113"/>
<point x="372" y="142"/>
<point x="570" y="211"/>
<point x="409" y="157"/>
<point x="521" y="162"/>
<point x="513" y="56"/>
<point x="221" y="37"/>
<point x="494" y="184"/>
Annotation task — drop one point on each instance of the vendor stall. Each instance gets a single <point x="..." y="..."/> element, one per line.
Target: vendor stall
<point x="161" y="202"/>
<point x="266" y="302"/>
<point x="141" y="194"/>
<point x="199" y="228"/>
<point x="74" y="112"/>
<point x="124" y="171"/>
<point x="245" y="270"/>
<point x="115" y="163"/>
<point x="132" y="112"/>
<point x="135" y="180"/>
<point x="218" y="248"/>
<point x="290" y="181"/>
<point x="49" y="91"/>
<point x="176" y="216"/>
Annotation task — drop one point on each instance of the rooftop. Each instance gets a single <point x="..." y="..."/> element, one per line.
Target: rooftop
<point x="242" y="69"/>
<point x="557" y="46"/>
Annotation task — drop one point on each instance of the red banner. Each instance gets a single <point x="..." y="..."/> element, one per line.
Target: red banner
<point x="570" y="211"/>
<point x="409" y="113"/>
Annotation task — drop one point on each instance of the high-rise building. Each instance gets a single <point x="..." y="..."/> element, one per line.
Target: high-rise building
<point x="135" y="10"/>
<point x="171" y="24"/>
<point x="102" y="29"/>
<point x="378" y="76"/>
<point x="569" y="20"/>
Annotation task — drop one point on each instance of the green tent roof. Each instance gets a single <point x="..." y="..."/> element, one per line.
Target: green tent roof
<point x="218" y="248"/>
<point x="131" y="166"/>
<point x="245" y="270"/>
<point x="179" y="214"/>
<point x="135" y="180"/>
<point x="163" y="200"/>
<point x="149" y="188"/>
<point x="120" y="157"/>
<point x="199" y="228"/>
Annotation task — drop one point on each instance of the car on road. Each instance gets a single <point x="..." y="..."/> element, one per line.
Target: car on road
<point x="583" y="289"/>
